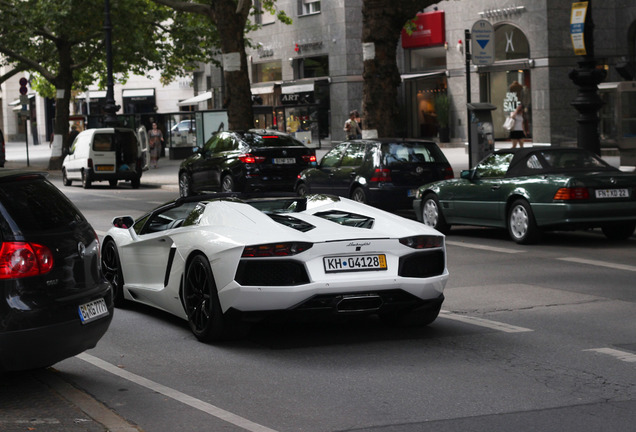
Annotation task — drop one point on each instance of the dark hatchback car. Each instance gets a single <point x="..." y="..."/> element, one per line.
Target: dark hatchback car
<point x="2" y="150"/>
<point x="250" y="161"/>
<point x="55" y="302"/>
<point x="384" y="173"/>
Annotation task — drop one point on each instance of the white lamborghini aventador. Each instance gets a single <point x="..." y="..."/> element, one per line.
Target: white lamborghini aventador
<point x="221" y="261"/>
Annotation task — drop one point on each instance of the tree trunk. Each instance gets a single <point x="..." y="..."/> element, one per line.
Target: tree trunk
<point x="382" y="22"/>
<point x="238" y="94"/>
<point x="63" y="83"/>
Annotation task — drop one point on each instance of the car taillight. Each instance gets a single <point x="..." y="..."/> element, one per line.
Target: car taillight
<point x="21" y="259"/>
<point x="447" y="173"/>
<point x="309" y="158"/>
<point x="90" y="163"/>
<point x="568" y="194"/>
<point x="423" y="242"/>
<point x="275" y="249"/>
<point x="381" y="175"/>
<point x="250" y="159"/>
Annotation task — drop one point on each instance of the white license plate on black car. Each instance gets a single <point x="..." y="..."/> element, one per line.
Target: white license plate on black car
<point x="91" y="311"/>
<point x="284" y="161"/>
<point x="612" y="193"/>
<point x="355" y="263"/>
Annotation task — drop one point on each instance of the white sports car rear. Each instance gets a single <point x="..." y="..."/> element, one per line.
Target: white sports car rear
<point x="221" y="262"/>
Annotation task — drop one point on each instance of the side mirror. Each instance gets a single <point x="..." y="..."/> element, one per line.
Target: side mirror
<point x="467" y="174"/>
<point x="124" y="222"/>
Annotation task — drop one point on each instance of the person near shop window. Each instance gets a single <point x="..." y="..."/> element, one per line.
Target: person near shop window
<point x="359" y="121"/>
<point x="351" y="127"/>
<point x="520" y="130"/>
<point x="155" y="140"/>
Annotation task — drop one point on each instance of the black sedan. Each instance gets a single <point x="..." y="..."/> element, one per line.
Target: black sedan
<point x="54" y="300"/>
<point x="383" y="173"/>
<point x="250" y="161"/>
<point x="532" y="190"/>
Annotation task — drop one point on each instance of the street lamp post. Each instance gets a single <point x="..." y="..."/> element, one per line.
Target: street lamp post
<point x="110" y="119"/>
<point x="588" y="102"/>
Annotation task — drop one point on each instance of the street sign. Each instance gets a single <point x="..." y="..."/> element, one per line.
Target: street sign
<point x="577" y="27"/>
<point x="483" y="50"/>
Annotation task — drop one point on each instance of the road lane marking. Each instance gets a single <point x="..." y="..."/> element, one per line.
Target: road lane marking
<point x="482" y="247"/>
<point x="176" y="395"/>
<point x="495" y="325"/>
<point x="599" y="263"/>
<point x="620" y="355"/>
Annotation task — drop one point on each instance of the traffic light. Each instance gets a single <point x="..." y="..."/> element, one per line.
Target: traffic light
<point x="23" y="86"/>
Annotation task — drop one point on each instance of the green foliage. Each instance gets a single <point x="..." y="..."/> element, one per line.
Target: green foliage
<point x="442" y="108"/>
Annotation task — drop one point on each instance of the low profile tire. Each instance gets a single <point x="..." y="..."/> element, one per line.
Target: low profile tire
<point x="432" y="214"/>
<point x="201" y="301"/>
<point x="301" y="189"/>
<point x="227" y="184"/>
<point x="619" y="231"/>
<point x="359" y="195"/>
<point x="86" y="181"/>
<point x="185" y="186"/>
<point x="522" y="226"/>
<point x="112" y="183"/>
<point x="418" y="317"/>
<point x="65" y="179"/>
<point x="111" y="266"/>
<point x="135" y="183"/>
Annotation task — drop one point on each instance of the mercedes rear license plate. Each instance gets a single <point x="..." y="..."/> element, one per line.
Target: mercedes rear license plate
<point x="91" y="311"/>
<point x="355" y="263"/>
<point x="284" y="160"/>
<point x="612" y="193"/>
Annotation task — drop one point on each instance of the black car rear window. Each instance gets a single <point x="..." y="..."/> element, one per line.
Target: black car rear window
<point x="410" y="152"/>
<point x="37" y="206"/>
<point x="258" y="140"/>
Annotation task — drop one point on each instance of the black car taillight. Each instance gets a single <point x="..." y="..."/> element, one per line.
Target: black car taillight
<point x="309" y="158"/>
<point x="21" y="259"/>
<point x="275" y="249"/>
<point x="447" y="173"/>
<point x="381" y="175"/>
<point x="250" y="159"/>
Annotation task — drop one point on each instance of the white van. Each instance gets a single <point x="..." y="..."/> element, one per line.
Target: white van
<point x="106" y="154"/>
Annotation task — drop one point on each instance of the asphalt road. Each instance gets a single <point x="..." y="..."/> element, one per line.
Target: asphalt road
<point x="536" y="338"/>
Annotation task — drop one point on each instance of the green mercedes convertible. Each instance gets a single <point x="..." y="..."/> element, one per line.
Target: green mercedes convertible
<point x="531" y="190"/>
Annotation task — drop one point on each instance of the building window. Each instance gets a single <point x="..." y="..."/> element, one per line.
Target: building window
<point x="262" y="16"/>
<point x="312" y="67"/>
<point x="270" y="71"/>
<point x="308" y="7"/>
<point x="510" y="43"/>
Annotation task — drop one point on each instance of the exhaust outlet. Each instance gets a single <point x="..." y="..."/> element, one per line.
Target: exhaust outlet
<point x="359" y="303"/>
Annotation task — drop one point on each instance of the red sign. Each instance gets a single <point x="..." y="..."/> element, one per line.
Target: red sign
<point x="430" y="30"/>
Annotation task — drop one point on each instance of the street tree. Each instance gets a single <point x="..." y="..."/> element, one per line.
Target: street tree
<point x="61" y="44"/>
<point x="382" y="22"/>
<point x="230" y="18"/>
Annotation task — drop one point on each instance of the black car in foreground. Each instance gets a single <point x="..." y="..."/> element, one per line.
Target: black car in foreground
<point x="383" y="172"/>
<point x="249" y="161"/>
<point x="54" y="300"/>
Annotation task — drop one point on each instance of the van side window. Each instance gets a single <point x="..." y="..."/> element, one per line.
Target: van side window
<point x="103" y="142"/>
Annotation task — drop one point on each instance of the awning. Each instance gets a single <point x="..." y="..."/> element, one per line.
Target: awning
<point x="297" y="88"/>
<point x="262" y="89"/>
<point x="406" y="77"/>
<point x="17" y="101"/>
<point x="195" y="100"/>
<point x="92" y="94"/>
<point x="138" y="92"/>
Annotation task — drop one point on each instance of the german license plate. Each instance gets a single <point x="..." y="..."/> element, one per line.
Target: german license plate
<point x="355" y="263"/>
<point x="104" y="168"/>
<point x="284" y="161"/>
<point x="612" y="193"/>
<point x="91" y="311"/>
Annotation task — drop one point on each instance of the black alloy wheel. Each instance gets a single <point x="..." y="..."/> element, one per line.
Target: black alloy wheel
<point x="201" y="301"/>
<point x="185" y="187"/>
<point x="358" y="195"/>
<point x="227" y="184"/>
<point x="111" y="266"/>
<point x="301" y="189"/>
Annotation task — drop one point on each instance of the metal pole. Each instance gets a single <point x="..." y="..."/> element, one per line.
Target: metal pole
<point x="26" y="138"/>
<point x="468" y="98"/>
